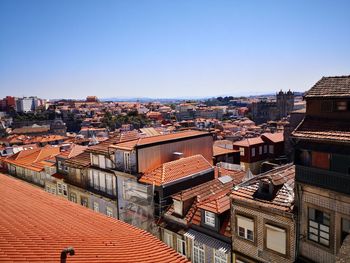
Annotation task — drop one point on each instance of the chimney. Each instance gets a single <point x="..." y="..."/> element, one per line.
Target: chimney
<point x="177" y="155"/>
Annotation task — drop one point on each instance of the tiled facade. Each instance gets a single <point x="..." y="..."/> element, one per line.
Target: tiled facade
<point x="249" y="251"/>
<point x="338" y="206"/>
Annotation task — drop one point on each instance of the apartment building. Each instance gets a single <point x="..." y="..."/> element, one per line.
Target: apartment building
<point x="263" y="219"/>
<point x="322" y="148"/>
<point x="197" y="224"/>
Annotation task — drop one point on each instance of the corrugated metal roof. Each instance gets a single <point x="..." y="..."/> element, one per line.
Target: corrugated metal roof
<point x="208" y="241"/>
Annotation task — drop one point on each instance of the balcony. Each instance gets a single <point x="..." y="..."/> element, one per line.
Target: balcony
<point x="323" y="178"/>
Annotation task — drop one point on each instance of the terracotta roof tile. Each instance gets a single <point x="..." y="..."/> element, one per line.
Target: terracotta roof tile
<point x="175" y="170"/>
<point x="249" y="141"/>
<point x="283" y="195"/>
<point x="81" y="160"/>
<point x="34" y="159"/>
<point x="330" y="87"/>
<point x="35" y="226"/>
<point x="274" y="137"/>
<point x="217" y="150"/>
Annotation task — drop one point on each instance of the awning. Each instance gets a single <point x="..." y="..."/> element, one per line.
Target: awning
<point x="208" y="241"/>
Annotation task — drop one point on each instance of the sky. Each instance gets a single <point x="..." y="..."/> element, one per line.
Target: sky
<point x="170" y="49"/>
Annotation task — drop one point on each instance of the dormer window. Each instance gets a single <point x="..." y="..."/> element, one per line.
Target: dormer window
<point x="178" y="206"/>
<point x="209" y="218"/>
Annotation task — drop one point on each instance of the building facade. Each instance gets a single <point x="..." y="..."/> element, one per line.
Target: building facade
<point x="322" y="158"/>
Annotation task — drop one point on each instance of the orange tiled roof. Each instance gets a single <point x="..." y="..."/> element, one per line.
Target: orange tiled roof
<point x="217" y="150"/>
<point x="274" y="137"/>
<point x="130" y="145"/>
<point x="73" y="151"/>
<point x="249" y="141"/>
<point x="175" y="170"/>
<point x="81" y="160"/>
<point x="34" y="159"/>
<point x="37" y="226"/>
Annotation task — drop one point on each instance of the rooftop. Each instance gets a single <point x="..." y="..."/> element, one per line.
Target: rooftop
<point x="282" y="178"/>
<point x="175" y="170"/>
<point x="330" y="87"/>
<point x="34" y="159"/>
<point x="37" y="226"/>
<point x="323" y="130"/>
<point x="130" y="145"/>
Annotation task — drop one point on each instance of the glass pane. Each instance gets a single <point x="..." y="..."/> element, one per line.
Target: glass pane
<point x="346" y="225"/>
<point x="312" y="214"/>
<point x="313" y="224"/>
<point x="324" y="235"/>
<point x="313" y="237"/>
<point x="313" y="230"/>
<point x="324" y="241"/>
<point x="250" y="234"/>
<point x="324" y="228"/>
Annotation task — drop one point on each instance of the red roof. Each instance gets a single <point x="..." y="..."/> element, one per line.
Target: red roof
<point x="175" y="170"/>
<point x="36" y="226"/>
<point x="249" y="141"/>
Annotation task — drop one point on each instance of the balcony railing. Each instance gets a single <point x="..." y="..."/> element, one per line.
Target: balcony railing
<point x="323" y="178"/>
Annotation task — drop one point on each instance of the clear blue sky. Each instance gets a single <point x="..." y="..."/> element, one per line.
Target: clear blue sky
<point x="178" y="48"/>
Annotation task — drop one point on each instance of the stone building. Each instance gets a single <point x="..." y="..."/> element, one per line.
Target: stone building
<point x="264" y="110"/>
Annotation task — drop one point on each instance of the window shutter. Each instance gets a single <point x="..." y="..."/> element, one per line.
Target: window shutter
<point x="245" y="222"/>
<point x="276" y="238"/>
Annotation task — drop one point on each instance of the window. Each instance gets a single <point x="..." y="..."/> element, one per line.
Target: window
<point x="108" y="163"/>
<point x="260" y="150"/>
<point x="209" y="218"/>
<point x="73" y="197"/>
<point x="96" y="207"/>
<point x="95" y="160"/>
<point x="271" y="149"/>
<point x="168" y="238"/>
<point x="276" y="239"/>
<point x="318" y="230"/>
<point x="320" y="160"/>
<point x="345" y="228"/>
<point x="245" y="227"/>
<point x="109" y="184"/>
<point x="341" y="106"/>
<point x="96" y="180"/>
<point x="64" y="190"/>
<point x="198" y="252"/>
<point x="101" y="160"/>
<point x="265" y="148"/>
<point x="220" y="256"/>
<point x="181" y="246"/>
<point x="84" y="201"/>
<point x="59" y="164"/>
<point x="109" y="211"/>
<point x="241" y="151"/>
<point x="126" y="160"/>
<point x="253" y="152"/>
<point x="103" y="182"/>
<point x="59" y="188"/>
